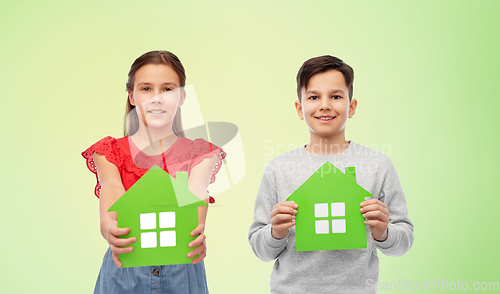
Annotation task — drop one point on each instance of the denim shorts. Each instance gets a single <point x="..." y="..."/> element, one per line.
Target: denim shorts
<point x="176" y="278"/>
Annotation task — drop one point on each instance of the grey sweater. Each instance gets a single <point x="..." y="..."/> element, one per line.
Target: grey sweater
<point x="330" y="271"/>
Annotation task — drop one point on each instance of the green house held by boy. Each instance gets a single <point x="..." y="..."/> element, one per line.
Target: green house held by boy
<point x="328" y="216"/>
<point x="161" y="212"/>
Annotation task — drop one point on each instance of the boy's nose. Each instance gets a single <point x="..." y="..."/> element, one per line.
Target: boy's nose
<point x="325" y="104"/>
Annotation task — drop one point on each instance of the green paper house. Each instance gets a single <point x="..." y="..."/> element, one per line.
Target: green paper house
<point x="161" y="212"/>
<point x="328" y="216"/>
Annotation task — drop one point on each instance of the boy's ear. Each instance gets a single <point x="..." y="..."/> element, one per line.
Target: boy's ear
<point x="298" y="107"/>
<point x="352" y="107"/>
<point x="131" y="98"/>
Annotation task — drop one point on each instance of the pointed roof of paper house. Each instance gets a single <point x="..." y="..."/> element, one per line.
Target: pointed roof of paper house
<point x="157" y="188"/>
<point x="327" y="182"/>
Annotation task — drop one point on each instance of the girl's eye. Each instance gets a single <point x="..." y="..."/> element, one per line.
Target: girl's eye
<point x="145" y="89"/>
<point x="167" y="89"/>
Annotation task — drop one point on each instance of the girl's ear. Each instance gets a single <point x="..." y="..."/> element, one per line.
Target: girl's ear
<point x="183" y="97"/>
<point x="298" y="107"/>
<point x="131" y="98"/>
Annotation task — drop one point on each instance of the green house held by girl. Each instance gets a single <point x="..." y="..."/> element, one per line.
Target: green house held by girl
<point x="161" y="212"/>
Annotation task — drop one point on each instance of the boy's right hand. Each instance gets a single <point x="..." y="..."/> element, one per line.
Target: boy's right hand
<point x="110" y="232"/>
<point x="283" y="218"/>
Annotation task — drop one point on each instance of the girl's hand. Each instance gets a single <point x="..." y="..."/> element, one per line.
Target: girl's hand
<point x="377" y="215"/>
<point x="283" y="218"/>
<point x="201" y="250"/>
<point x="110" y="232"/>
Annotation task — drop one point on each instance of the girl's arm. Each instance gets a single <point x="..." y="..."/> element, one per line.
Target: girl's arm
<point x="199" y="179"/>
<point x="111" y="190"/>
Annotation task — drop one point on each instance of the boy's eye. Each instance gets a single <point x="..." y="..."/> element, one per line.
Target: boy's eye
<point x="313" y="97"/>
<point x="336" y="97"/>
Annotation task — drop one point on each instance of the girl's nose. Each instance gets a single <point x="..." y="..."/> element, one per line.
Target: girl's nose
<point x="156" y="99"/>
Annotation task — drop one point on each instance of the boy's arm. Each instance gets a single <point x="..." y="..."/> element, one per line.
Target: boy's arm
<point x="400" y="228"/>
<point x="263" y="244"/>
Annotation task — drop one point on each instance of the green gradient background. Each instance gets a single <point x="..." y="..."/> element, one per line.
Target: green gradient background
<point x="426" y="84"/>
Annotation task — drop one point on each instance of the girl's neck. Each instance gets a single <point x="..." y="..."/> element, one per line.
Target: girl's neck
<point x="327" y="145"/>
<point x="154" y="141"/>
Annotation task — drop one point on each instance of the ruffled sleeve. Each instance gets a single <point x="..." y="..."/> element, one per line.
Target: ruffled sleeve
<point x="108" y="147"/>
<point x="203" y="149"/>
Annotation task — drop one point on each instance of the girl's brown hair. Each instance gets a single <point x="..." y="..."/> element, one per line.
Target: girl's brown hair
<point x="131" y="124"/>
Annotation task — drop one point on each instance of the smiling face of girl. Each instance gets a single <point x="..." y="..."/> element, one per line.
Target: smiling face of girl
<point x="157" y="93"/>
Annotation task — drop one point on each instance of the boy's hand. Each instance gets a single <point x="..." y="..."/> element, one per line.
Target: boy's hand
<point x="201" y="250"/>
<point x="283" y="218"/>
<point x="377" y="215"/>
<point x="110" y="232"/>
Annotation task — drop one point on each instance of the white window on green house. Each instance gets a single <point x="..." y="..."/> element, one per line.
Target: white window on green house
<point x="337" y="209"/>
<point x="166" y="220"/>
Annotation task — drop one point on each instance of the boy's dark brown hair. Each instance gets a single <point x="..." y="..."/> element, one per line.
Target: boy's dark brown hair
<point x="155" y="57"/>
<point x="321" y="64"/>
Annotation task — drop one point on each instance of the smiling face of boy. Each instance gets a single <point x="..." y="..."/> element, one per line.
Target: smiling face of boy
<point x="325" y="107"/>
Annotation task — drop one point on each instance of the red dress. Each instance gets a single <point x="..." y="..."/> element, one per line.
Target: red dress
<point x="132" y="163"/>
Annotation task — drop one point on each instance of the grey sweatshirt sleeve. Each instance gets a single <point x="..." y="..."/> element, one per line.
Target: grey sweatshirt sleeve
<point x="263" y="244"/>
<point x="400" y="229"/>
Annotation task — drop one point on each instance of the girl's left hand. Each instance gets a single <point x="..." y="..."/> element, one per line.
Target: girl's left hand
<point x="377" y="215"/>
<point x="201" y="250"/>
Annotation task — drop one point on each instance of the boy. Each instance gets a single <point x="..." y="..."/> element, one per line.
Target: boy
<point x="324" y="88"/>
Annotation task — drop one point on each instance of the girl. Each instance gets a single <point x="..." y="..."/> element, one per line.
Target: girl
<point x="153" y="136"/>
